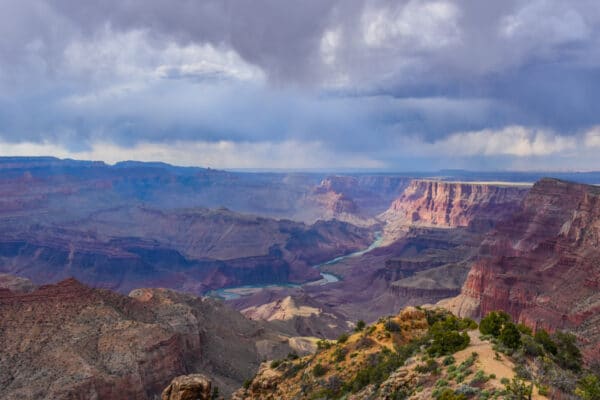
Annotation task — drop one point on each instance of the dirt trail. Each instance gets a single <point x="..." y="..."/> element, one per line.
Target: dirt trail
<point x="487" y="361"/>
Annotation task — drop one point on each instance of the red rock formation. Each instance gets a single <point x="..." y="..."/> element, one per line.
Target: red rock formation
<point x="188" y="387"/>
<point x="543" y="264"/>
<point x="68" y="341"/>
<point x="453" y="204"/>
<point x="352" y="197"/>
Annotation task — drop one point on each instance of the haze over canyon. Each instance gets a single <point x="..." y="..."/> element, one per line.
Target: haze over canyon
<point x="303" y="200"/>
<point x="91" y="253"/>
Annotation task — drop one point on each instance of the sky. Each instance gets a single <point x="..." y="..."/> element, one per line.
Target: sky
<point x="311" y="84"/>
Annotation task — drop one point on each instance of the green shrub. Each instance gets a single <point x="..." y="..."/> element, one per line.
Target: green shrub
<point x="542" y="337"/>
<point x="568" y="354"/>
<point x="392" y="326"/>
<point x="545" y="391"/>
<point x="531" y="348"/>
<point x="339" y="354"/>
<point x="467" y="324"/>
<point x="510" y="336"/>
<point x="518" y="389"/>
<point x="323" y="344"/>
<point x="524" y="329"/>
<point x="588" y="388"/>
<point x="275" y="363"/>
<point x="466" y="390"/>
<point x="446" y="338"/>
<point x="292" y="356"/>
<point x="449" y="360"/>
<point x="379" y="368"/>
<point x="441" y="383"/>
<point x="319" y="370"/>
<point x="360" y="325"/>
<point x="343" y="338"/>
<point x="449" y="394"/>
<point x="468" y="363"/>
<point x="493" y="322"/>
<point x="430" y="366"/>
<point x="479" y="378"/>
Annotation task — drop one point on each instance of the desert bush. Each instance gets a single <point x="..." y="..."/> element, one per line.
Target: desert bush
<point x="568" y="354"/>
<point x="430" y="366"/>
<point x="392" y="326"/>
<point x="531" y="348"/>
<point x="493" y="323"/>
<point x="449" y="394"/>
<point x="343" y="338"/>
<point x="510" y="336"/>
<point x="319" y="370"/>
<point x="588" y="387"/>
<point x="524" y="329"/>
<point x="339" y="354"/>
<point x="360" y="325"/>
<point x="479" y="378"/>
<point x="517" y="389"/>
<point x="449" y="360"/>
<point x="446" y="338"/>
<point x="467" y="390"/>
<point x="543" y="338"/>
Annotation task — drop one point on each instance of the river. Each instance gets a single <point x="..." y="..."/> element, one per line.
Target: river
<point x="233" y="293"/>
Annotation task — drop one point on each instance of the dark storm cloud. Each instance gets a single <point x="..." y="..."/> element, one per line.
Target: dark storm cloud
<point x="359" y="76"/>
<point x="279" y="36"/>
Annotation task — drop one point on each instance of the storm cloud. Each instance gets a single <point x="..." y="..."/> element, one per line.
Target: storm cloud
<point x="328" y="83"/>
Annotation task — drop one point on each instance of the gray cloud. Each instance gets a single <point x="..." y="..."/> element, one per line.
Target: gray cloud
<point x="359" y="76"/>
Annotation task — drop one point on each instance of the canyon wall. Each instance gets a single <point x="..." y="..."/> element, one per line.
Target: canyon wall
<point x="542" y="265"/>
<point x="454" y="204"/>
<point x="194" y="250"/>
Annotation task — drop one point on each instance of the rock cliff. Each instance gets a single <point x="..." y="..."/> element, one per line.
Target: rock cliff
<point x="542" y="265"/>
<point x="68" y="341"/>
<point x="454" y="204"/>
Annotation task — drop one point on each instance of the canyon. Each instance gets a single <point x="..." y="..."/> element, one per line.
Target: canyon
<point x="542" y="265"/>
<point x="92" y="253"/>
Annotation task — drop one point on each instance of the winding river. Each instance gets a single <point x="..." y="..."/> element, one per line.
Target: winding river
<point x="233" y="293"/>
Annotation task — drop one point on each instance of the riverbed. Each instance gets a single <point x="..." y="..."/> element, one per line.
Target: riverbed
<point x="233" y="293"/>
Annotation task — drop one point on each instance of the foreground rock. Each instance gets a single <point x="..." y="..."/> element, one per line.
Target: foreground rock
<point x="188" y="387"/>
<point x="68" y="341"/>
<point x="542" y="265"/>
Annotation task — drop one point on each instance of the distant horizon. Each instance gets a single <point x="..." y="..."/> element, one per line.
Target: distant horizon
<point x="428" y="173"/>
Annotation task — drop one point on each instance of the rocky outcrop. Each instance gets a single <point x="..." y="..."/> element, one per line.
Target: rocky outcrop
<point x="16" y="283"/>
<point x="542" y="265"/>
<point x="188" y="387"/>
<point x="357" y="199"/>
<point x="454" y="204"/>
<point x="339" y="363"/>
<point x="69" y="341"/>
